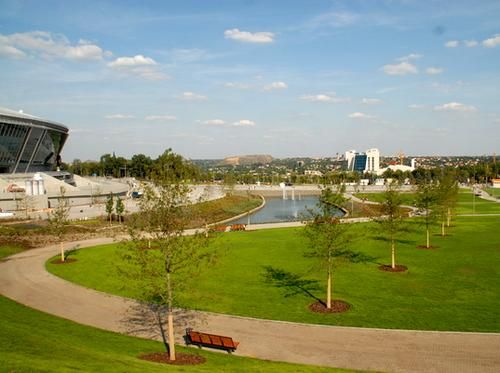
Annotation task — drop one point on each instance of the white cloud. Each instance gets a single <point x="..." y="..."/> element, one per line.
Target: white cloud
<point x="434" y="70"/>
<point x="471" y="43"/>
<point x="492" y="42"/>
<point x="161" y="117"/>
<point x="411" y="56"/>
<point x="48" y="45"/>
<point x="371" y="101"/>
<point x="275" y="85"/>
<point x="452" y="44"/>
<point x="236" y="85"/>
<point x="215" y="122"/>
<point x="244" y="123"/>
<point x="191" y="96"/>
<point x="249" y="37"/>
<point x="138" y="60"/>
<point x="455" y="106"/>
<point x="360" y="116"/>
<point x="138" y="65"/>
<point x="324" y="98"/>
<point x="119" y="116"/>
<point x="11" y="52"/>
<point x="416" y="106"/>
<point x="402" y="68"/>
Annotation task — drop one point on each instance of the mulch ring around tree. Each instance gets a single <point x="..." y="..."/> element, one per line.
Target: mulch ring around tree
<point x="180" y="358"/>
<point x="59" y="261"/>
<point x="397" y="268"/>
<point x="423" y="247"/>
<point x="338" y="306"/>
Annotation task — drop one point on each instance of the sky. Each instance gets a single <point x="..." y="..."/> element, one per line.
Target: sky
<point x="211" y="79"/>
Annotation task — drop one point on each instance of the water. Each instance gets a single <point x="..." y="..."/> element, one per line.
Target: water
<point x="279" y="210"/>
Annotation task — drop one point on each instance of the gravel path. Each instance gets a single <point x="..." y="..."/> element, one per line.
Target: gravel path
<point x="23" y="278"/>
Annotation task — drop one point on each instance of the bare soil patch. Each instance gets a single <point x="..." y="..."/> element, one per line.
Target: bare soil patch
<point x="59" y="261"/>
<point x="423" y="247"/>
<point x="338" y="306"/>
<point x="180" y="358"/>
<point x="397" y="268"/>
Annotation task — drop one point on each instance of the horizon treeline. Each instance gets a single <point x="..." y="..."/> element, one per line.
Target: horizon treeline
<point x="142" y="166"/>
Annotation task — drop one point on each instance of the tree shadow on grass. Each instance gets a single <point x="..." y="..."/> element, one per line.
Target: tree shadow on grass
<point x="292" y="283"/>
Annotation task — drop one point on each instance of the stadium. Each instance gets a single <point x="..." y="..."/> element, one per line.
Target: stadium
<point x="28" y="143"/>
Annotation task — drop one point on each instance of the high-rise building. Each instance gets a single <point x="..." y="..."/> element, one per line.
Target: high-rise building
<point x="368" y="161"/>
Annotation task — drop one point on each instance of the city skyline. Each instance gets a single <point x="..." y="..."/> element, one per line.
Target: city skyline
<point x="287" y="79"/>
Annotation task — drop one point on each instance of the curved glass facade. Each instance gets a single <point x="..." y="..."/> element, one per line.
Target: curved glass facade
<point x="29" y="145"/>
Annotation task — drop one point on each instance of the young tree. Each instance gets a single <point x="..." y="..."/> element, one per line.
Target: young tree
<point x="327" y="236"/>
<point x="392" y="219"/>
<point x="173" y="257"/>
<point x="447" y="196"/>
<point x="58" y="218"/>
<point x="426" y="204"/>
<point x="119" y="208"/>
<point x="109" y="207"/>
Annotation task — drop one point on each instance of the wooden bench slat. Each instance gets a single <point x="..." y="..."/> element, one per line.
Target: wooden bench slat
<point x="195" y="337"/>
<point x="212" y="340"/>
<point x="216" y="340"/>
<point x="228" y="342"/>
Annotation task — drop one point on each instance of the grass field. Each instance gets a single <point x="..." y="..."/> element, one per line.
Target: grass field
<point x="467" y="203"/>
<point x="495" y="192"/>
<point x="454" y="287"/>
<point x="32" y="341"/>
<point x="407" y="199"/>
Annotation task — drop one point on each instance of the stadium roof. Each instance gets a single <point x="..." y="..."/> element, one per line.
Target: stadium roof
<point x="27" y="118"/>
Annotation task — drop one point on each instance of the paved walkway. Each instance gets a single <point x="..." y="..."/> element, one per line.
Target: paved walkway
<point x="23" y="278"/>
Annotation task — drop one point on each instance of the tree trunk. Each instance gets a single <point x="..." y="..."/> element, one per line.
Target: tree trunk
<point x="393" y="252"/>
<point x="448" y="218"/>
<point x="329" y="290"/>
<point x="170" y="321"/>
<point x="442" y="229"/>
<point x="61" y="245"/>
<point x="428" y="239"/>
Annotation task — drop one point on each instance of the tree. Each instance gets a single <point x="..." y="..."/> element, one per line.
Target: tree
<point x="58" y="219"/>
<point x="392" y="218"/>
<point x="327" y="236"/>
<point x="109" y="207"/>
<point x="166" y="262"/>
<point x="119" y="208"/>
<point x="426" y="204"/>
<point x="447" y="196"/>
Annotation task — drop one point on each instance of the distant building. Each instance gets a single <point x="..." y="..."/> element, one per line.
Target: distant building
<point x="398" y="167"/>
<point x="495" y="183"/>
<point x="368" y="161"/>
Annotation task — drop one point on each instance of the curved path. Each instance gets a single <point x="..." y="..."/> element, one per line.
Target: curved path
<point x="23" y="278"/>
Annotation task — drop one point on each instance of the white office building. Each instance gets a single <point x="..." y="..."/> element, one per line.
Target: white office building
<point x="368" y="161"/>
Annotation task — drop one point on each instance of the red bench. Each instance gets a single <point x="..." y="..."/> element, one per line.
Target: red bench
<point x="210" y="340"/>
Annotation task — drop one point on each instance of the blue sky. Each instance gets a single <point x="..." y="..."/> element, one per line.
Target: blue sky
<point x="286" y="78"/>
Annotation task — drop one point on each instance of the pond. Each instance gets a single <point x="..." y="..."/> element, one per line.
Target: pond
<point x="279" y="210"/>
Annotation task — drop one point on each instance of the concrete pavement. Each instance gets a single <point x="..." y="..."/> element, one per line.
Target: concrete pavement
<point x="24" y="279"/>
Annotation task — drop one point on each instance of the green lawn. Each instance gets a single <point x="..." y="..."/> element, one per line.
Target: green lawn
<point x="7" y="249"/>
<point x="467" y="202"/>
<point x="454" y="287"/>
<point x="406" y="198"/>
<point x="495" y="192"/>
<point x="32" y="341"/>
